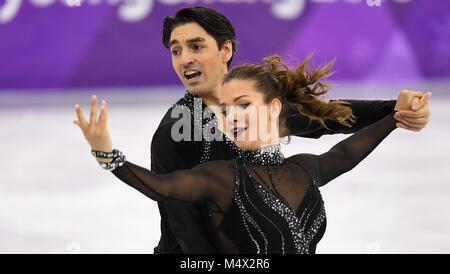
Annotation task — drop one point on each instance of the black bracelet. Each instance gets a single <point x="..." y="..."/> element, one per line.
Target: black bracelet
<point x="105" y="155"/>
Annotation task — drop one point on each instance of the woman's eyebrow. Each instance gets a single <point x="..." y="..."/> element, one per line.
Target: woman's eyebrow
<point x="239" y="97"/>
<point x="235" y="99"/>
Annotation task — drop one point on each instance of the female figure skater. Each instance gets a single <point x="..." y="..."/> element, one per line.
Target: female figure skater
<point x="260" y="202"/>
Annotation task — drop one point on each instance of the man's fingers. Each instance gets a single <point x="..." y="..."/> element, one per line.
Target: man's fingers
<point x="412" y="123"/>
<point x="400" y="125"/>
<point x="81" y="120"/>
<point x="422" y="120"/>
<point x="413" y="114"/>
<point x="93" y="115"/>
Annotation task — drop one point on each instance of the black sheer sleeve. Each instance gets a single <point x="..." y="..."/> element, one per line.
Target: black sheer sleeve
<point x="348" y="153"/>
<point x="366" y="113"/>
<point x="190" y="185"/>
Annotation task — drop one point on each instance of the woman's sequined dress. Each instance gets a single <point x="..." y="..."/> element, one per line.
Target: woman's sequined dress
<point x="262" y="202"/>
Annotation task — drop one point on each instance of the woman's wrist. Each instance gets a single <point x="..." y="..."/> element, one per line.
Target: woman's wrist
<point x="109" y="160"/>
<point x="104" y="160"/>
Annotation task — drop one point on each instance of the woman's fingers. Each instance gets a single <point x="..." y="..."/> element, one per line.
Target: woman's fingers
<point x="419" y="102"/>
<point x="94" y="125"/>
<point x="93" y="114"/>
<point x="416" y="103"/>
<point x="425" y="98"/>
<point x="103" y="117"/>
<point x="81" y="122"/>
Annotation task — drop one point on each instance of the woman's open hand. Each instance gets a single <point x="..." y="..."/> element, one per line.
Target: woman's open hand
<point x="95" y="130"/>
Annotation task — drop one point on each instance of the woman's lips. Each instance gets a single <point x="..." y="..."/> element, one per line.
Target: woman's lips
<point x="237" y="131"/>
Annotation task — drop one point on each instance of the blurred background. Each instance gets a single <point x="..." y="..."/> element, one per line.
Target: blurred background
<point x="54" y="198"/>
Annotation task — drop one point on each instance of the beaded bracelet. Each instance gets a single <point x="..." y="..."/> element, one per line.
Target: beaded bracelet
<point x="105" y="155"/>
<point x="116" y="162"/>
<point x="118" y="159"/>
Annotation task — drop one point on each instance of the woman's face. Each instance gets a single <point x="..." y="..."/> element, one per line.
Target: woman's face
<point x="246" y="118"/>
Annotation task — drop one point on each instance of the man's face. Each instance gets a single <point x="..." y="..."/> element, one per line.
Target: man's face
<point x="197" y="59"/>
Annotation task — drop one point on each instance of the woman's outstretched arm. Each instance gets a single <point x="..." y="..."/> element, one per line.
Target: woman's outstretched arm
<point x="188" y="185"/>
<point x="346" y="154"/>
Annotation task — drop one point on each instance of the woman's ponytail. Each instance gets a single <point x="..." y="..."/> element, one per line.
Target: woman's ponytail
<point x="303" y="87"/>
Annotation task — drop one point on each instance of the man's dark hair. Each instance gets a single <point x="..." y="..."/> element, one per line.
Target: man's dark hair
<point x="213" y="22"/>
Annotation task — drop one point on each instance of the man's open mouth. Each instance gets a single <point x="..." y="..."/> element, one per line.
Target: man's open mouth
<point x="192" y="74"/>
<point x="238" y="131"/>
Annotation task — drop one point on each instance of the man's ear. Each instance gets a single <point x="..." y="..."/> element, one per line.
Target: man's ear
<point x="227" y="51"/>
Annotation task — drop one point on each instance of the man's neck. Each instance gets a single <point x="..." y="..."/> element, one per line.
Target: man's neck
<point x="209" y="98"/>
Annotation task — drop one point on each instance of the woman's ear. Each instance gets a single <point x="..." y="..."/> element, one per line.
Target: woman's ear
<point x="227" y="51"/>
<point x="276" y="106"/>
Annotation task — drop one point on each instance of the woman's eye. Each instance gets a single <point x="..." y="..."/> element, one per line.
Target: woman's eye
<point x="244" y="106"/>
